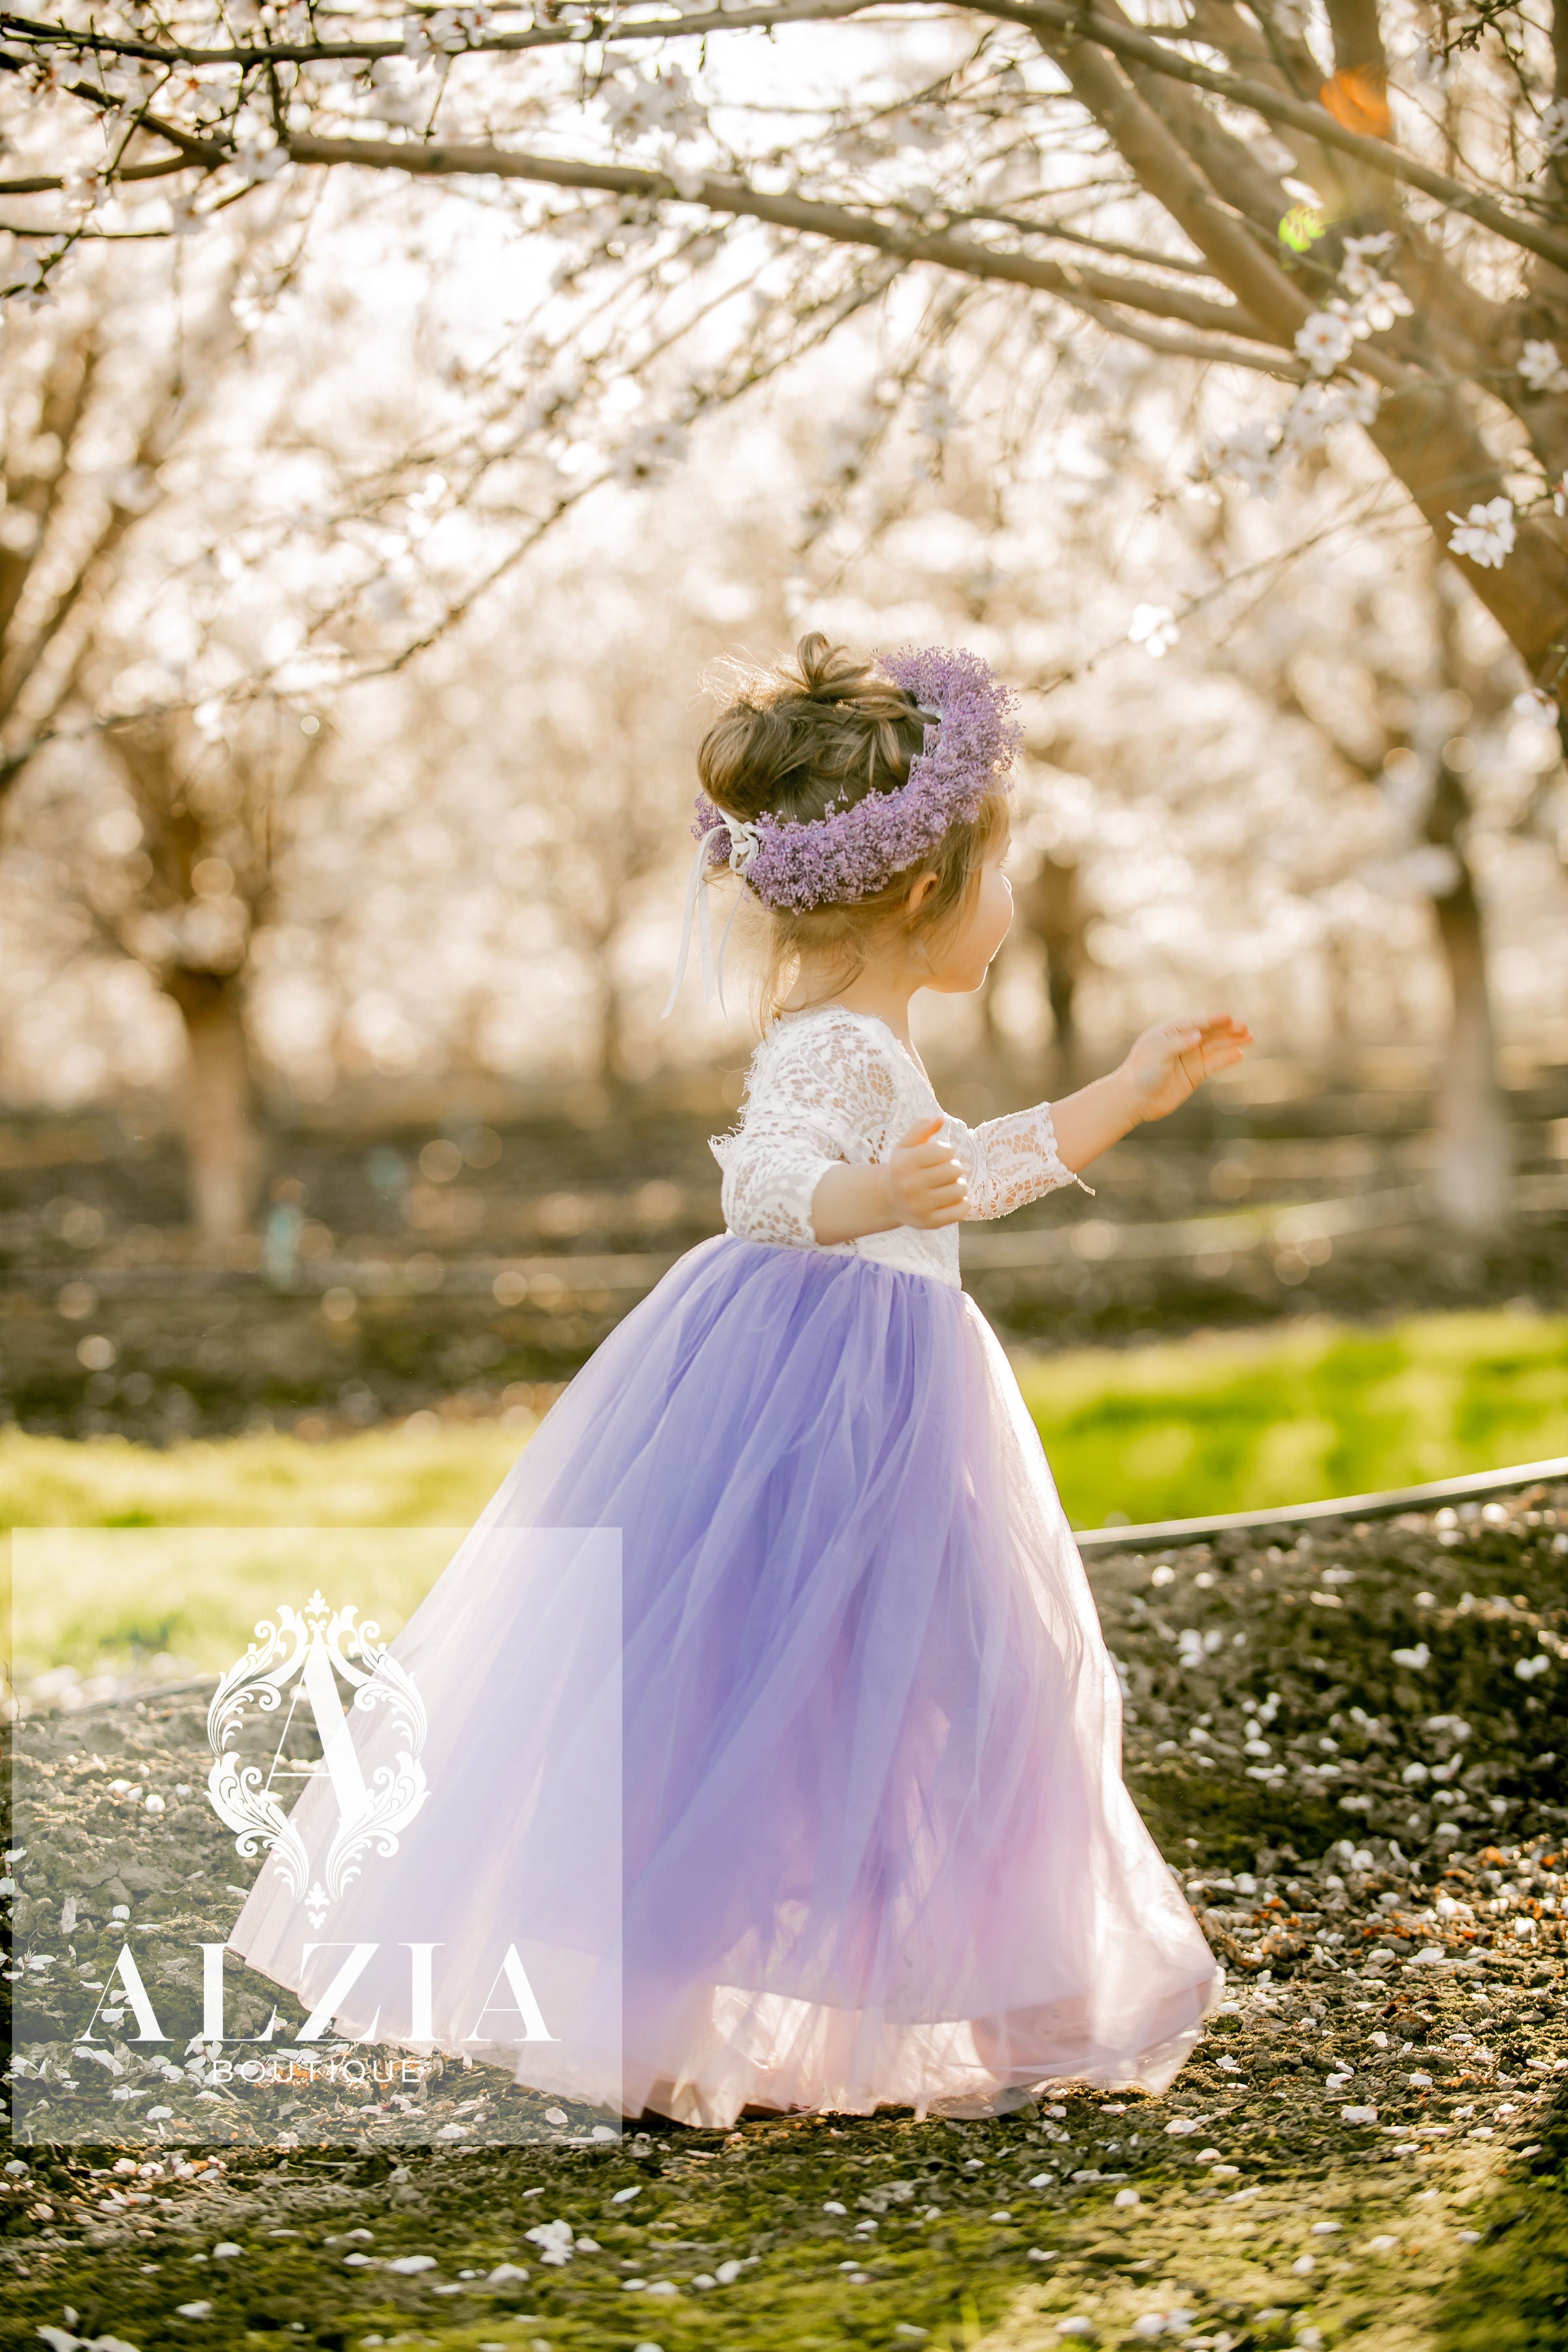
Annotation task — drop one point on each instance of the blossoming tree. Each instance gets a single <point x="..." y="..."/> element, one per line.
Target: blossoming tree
<point x="1368" y="207"/>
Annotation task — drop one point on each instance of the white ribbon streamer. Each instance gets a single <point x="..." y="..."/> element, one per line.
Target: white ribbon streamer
<point x="745" y="840"/>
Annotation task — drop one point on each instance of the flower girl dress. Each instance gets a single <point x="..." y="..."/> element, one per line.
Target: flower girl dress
<point x="811" y="1799"/>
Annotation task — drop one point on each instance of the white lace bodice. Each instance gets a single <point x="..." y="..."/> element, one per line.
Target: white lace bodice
<point x="829" y="1085"/>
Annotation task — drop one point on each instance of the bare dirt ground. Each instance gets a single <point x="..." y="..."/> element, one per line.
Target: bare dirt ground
<point x="1354" y="1751"/>
<point x="464" y="1266"/>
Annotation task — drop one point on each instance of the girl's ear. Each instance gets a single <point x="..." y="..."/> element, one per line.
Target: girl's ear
<point x="920" y="892"/>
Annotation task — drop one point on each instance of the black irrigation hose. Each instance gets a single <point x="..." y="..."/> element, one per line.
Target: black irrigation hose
<point x="1163" y="1532"/>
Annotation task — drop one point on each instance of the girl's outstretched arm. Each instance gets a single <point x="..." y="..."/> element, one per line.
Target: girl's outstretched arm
<point x="1165" y="1065"/>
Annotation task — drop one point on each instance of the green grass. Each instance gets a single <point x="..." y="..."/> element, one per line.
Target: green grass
<point x="182" y="1552"/>
<point x="1195" y="1426"/>
<point x="384" y="1478"/>
<point x="1175" y="1430"/>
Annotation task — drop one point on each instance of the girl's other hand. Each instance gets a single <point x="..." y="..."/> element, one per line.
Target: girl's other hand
<point x="922" y="1178"/>
<point x="1172" y="1060"/>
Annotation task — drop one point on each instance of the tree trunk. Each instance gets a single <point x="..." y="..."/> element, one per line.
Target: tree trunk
<point x="1474" y="1171"/>
<point x="1054" y="907"/>
<point x="1474" y="1175"/>
<point x="610" y="1057"/>
<point x="223" y="1150"/>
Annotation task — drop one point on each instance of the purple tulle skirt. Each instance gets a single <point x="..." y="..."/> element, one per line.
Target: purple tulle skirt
<point x="805" y="1791"/>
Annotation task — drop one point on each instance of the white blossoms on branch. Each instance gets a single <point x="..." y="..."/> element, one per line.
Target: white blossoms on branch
<point x="82" y="186"/>
<point x="1318" y="406"/>
<point x="1258" y="451"/>
<point x="447" y="29"/>
<point x="1324" y="342"/>
<point x="637" y="104"/>
<point x="1554" y="126"/>
<point x="1374" y="302"/>
<point x="1541" y="369"/>
<point x="1485" y="534"/>
<point x="936" y="414"/>
<point x="1367" y="305"/>
<point x="1252" y="453"/>
<point x="651" y="452"/>
<point x="1154" y="626"/>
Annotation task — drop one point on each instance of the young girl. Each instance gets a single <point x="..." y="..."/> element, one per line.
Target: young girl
<point x="811" y="1799"/>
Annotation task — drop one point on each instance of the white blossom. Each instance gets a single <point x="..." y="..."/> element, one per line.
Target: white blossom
<point x="637" y="104"/>
<point x="1360" y="398"/>
<point x="1324" y="342"/>
<point x="1354" y="274"/>
<point x="447" y="29"/>
<point x="1154" y="626"/>
<point x="1535" y="703"/>
<point x="1374" y="302"/>
<point x="1485" y="534"/>
<point x="935" y="415"/>
<point x="1377" y="307"/>
<point x="920" y="128"/>
<point x="651" y="451"/>
<point x="1541" y="369"/>
<point x="259" y="156"/>
<point x="82" y="186"/>
<point x="1554" y="126"/>
<point x="1251" y="452"/>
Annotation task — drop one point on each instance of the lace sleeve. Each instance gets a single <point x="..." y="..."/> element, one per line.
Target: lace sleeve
<point x="1011" y="1160"/>
<point x="819" y="1093"/>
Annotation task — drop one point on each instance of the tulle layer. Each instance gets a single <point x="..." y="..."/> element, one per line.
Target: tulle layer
<point x="813" y="1800"/>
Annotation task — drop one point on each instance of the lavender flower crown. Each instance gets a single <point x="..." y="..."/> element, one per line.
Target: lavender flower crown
<point x="847" y="854"/>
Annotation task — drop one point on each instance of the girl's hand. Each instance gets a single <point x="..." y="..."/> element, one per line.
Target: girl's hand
<point x="1172" y="1060"/>
<point x="922" y="1179"/>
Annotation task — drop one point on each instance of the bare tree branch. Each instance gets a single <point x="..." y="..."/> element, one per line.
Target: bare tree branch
<point x="1211" y="349"/>
<point x="1391" y="162"/>
<point x="1172" y="177"/>
<point x="810" y="216"/>
<point x="474" y="44"/>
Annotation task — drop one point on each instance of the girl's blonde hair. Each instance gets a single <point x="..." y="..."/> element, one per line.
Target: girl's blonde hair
<point x="823" y="729"/>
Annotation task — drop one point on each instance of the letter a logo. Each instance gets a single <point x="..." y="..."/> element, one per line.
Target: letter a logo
<point x="304" y="1655"/>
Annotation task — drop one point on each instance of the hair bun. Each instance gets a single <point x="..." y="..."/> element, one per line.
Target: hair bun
<point x="828" y="672"/>
<point x="825" y="727"/>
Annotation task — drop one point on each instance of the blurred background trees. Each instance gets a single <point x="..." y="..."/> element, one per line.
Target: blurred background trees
<point x="1363" y="203"/>
<point x="364" y="543"/>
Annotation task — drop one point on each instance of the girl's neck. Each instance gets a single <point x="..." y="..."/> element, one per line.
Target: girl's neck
<point x="885" y="995"/>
